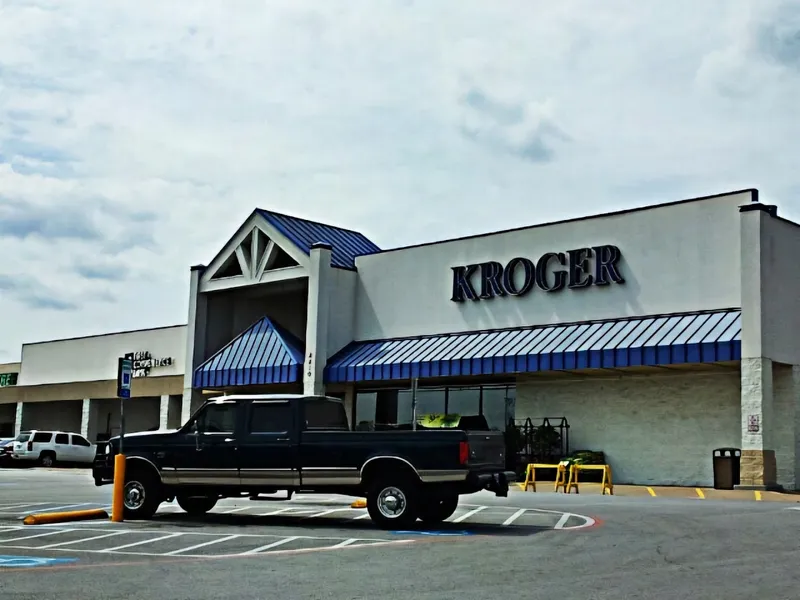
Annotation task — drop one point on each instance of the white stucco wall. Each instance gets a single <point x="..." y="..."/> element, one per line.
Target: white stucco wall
<point x="654" y="430"/>
<point x="780" y="289"/>
<point x="341" y="317"/>
<point x="95" y="358"/>
<point x="680" y="257"/>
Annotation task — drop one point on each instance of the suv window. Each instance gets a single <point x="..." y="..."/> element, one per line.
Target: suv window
<point x="41" y="437"/>
<point x="321" y="413"/>
<point x="62" y="438"/>
<point x="218" y="418"/>
<point x="270" y="417"/>
<point x="78" y="440"/>
<point x="23" y="437"/>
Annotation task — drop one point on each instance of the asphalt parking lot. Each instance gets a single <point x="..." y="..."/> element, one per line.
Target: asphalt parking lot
<point x="528" y="545"/>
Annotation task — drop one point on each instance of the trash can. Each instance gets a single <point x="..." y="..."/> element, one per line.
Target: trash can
<point x="726" y="468"/>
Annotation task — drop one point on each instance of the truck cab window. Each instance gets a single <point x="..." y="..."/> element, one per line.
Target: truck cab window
<point x="321" y="413"/>
<point x="217" y="418"/>
<point x="270" y="417"/>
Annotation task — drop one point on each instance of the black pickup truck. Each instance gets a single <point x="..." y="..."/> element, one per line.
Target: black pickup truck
<point x="247" y="445"/>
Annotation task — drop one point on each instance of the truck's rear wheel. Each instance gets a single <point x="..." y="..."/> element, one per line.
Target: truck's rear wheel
<point x="141" y="494"/>
<point x="438" y="508"/>
<point x="196" y="505"/>
<point x="393" y="502"/>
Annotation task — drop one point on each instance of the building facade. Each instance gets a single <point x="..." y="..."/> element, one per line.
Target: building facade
<point x="660" y="333"/>
<point x="70" y="384"/>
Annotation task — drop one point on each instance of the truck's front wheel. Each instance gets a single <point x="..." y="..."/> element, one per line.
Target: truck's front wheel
<point x="393" y="503"/>
<point x="141" y="495"/>
<point x="196" y="505"/>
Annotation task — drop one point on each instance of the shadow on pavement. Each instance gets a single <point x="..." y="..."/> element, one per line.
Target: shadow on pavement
<point x="238" y="520"/>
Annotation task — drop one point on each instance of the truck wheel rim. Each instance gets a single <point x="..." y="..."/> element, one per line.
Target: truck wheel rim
<point x="392" y="502"/>
<point x="134" y="495"/>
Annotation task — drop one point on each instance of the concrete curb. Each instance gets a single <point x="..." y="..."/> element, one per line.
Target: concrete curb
<point x="64" y="517"/>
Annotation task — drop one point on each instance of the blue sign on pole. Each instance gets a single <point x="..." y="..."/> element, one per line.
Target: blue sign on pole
<point x="27" y="562"/>
<point x="124" y="377"/>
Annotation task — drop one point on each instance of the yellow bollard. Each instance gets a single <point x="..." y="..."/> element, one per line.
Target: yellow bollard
<point x="118" y="499"/>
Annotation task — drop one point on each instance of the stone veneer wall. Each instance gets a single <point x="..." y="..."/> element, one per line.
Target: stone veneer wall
<point x="654" y="429"/>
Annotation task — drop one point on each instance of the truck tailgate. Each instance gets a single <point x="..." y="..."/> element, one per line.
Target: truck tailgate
<point x="487" y="450"/>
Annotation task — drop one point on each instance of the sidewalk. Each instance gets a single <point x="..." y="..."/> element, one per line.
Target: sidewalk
<point x="546" y="487"/>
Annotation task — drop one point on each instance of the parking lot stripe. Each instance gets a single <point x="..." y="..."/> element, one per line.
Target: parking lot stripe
<point x="12" y="507"/>
<point x="275" y="512"/>
<point x="514" y="517"/>
<point x="80" y="541"/>
<point x="467" y="515"/>
<point x="345" y="543"/>
<point x="651" y="491"/>
<point x="202" y="545"/>
<point x="700" y="493"/>
<point x="38" y="535"/>
<point x="272" y="545"/>
<point x="562" y="521"/>
<point x="143" y="542"/>
<point x="326" y="512"/>
<point x="55" y="508"/>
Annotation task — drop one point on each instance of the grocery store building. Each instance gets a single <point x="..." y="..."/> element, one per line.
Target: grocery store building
<point x="660" y="333"/>
<point x="70" y="384"/>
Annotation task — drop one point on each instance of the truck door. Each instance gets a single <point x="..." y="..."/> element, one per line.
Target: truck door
<point x="268" y="448"/>
<point x="208" y="454"/>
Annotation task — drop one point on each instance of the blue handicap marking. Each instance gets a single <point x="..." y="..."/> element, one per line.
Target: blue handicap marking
<point x="32" y="561"/>
<point x="435" y="533"/>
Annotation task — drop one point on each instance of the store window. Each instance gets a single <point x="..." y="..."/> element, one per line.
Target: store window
<point x="376" y="408"/>
<point x="464" y="401"/>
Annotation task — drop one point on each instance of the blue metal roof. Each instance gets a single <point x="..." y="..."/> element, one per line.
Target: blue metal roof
<point x="346" y="244"/>
<point x="643" y="341"/>
<point x="264" y="353"/>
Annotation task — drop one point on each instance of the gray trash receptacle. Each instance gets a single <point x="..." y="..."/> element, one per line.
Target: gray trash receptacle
<point x="726" y="468"/>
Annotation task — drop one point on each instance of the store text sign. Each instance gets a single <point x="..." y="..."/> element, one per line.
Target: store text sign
<point x="143" y="362"/>
<point x="553" y="271"/>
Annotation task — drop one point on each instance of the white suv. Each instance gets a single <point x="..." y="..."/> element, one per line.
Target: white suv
<point x="47" y="447"/>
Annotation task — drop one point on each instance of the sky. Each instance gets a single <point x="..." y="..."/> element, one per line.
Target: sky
<point x="136" y="136"/>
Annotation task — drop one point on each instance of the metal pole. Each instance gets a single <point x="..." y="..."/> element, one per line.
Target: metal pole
<point x="414" y="383"/>
<point x="121" y="423"/>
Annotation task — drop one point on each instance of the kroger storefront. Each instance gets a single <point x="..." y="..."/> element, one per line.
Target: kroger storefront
<point x="656" y="334"/>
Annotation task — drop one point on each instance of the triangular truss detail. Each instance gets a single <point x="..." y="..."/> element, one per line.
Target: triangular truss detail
<point x="253" y="257"/>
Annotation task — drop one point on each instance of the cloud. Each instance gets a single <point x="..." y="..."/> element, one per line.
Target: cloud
<point x="33" y="294"/>
<point x="527" y="130"/>
<point x="103" y="272"/>
<point x="132" y="134"/>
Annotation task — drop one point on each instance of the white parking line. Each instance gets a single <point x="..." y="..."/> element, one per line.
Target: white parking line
<point x="514" y="517"/>
<point x="202" y="545"/>
<point x="14" y="507"/>
<point x="143" y="542"/>
<point x="469" y="514"/>
<point x="55" y="508"/>
<point x="272" y="545"/>
<point x="82" y="540"/>
<point x="345" y="543"/>
<point x="38" y="535"/>
<point x="276" y="512"/>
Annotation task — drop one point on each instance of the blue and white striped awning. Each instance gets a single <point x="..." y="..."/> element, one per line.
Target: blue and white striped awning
<point x="263" y="354"/>
<point x="706" y="337"/>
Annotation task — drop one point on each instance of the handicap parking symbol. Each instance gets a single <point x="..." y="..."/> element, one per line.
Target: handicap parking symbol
<point x="12" y="562"/>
